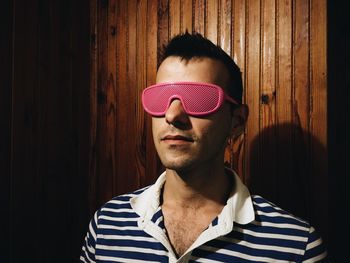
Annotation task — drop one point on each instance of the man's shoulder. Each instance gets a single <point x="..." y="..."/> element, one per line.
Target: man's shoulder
<point x="268" y="213"/>
<point x="120" y="203"/>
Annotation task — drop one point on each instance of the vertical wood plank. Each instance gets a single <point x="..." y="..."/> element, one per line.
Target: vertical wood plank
<point x="152" y="162"/>
<point x="238" y="47"/>
<point x="174" y="17"/>
<point x="284" y="38"/>
<point x="301" y="105"/>
<point x="268" y="87"/>
<point x="239" y="28"/>
<point x="79" y="66"/>
<point x="163" y="26"/>
<point x="225" y="25"/>
<point x="6" y="81"/>
<point x="186" y="15"/>
<point x="252" y="87"/>
<point x="301" y="63"/>
<point x="287" y="179"/>
<point x="268" y="183"/>
<point x="141" y="68"/>
<point x="105" y="181"/>
<point x="25" y="133"/>
<point x="318" y="93"/>
<point x="111" y="103"/>
<point x="199" y="7"/>
<point x="224" y="41"/>
<point x="126" y="80"/>
<point x="212" y="20"/>
<point x="94" y="65"/>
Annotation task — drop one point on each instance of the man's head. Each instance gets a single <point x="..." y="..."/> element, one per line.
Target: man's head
<point x="194" y="46"/>
<point x="185" y="141"/>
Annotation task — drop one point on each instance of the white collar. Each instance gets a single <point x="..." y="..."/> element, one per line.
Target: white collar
<point x="239" y="207"/>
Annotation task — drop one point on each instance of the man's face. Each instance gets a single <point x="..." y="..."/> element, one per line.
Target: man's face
<point x="183" y="142"/>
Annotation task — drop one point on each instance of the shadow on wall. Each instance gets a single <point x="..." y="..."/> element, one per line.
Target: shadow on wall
<point x="288" y="166"/>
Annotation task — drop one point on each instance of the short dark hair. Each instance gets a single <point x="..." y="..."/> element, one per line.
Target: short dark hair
<point x="188" y="46"/>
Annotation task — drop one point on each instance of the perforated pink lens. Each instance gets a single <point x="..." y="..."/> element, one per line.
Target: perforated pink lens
<point x="198" y="99"/>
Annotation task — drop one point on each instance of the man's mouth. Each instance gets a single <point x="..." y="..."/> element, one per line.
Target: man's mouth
<point x="176" y="138"/>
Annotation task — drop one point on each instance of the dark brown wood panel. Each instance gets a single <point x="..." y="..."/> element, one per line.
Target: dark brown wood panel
<point x="47" y="115"/>
<point x="6" y="79"/>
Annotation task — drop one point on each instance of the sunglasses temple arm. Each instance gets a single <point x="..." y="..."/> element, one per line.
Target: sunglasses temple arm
<point x="230" y="99"/>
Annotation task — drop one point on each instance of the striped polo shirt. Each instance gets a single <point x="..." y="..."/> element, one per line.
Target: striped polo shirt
<point x="130" y="228"/>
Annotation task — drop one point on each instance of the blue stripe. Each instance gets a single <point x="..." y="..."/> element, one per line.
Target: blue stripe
<point x="248" y="251"/>
<point x="274" y="230"/>
<point x="136" y="233"/>
<point x="133" y="243"/>
<point x="280" y="220"/>
<point x="265" y="241"/>
<point x="157" y="215"/>
<point x="132" y="255"/>
<point x="116" y="214"/>
<point x="117" y="206"/>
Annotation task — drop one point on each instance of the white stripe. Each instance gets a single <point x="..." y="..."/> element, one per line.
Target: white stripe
<point x="268" y="235"/>
<point x="313" y="244"/>
<point x="241" y="255"/>
<point x="262" y="247"/>
<point x="274" y="214"/>
<point x="119" y="227"/>
<point x="83" y="259"/>
<point x="204" y="260"/>
<point x="280" y="225"/>
<point x="90" y="248"/>
<point x="92" y="232"/>
<point x="122" y="260"/>
<point x="86" y="254"/>
<point x="159" y="220"/>
<point x="122" y="219"/>
<point x="132" y="238"/>
<point x="118" y="210"/>
<point x="268" y="205"/>
<point x="317" y="258"/>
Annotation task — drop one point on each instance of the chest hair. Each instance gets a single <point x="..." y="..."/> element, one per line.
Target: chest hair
<point x="183" y="228"/>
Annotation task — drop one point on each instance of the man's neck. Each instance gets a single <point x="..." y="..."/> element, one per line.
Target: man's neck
<point x="197" y="189"/>
<point x="191" y="202"/>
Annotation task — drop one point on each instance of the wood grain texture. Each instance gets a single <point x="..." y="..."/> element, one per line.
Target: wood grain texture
<point x="6" y="79"/>
<point x="318" y="97"/>
<point x="174" y="17"/>
<point x="186" y="17"/>
<point x="252" y="88"/>
<point x="212" y="20"/>
<point x="199" y="7"/>
<point x="49" y="116"/>
<point x="238" y="47"/>
<point x="141" y="77"/>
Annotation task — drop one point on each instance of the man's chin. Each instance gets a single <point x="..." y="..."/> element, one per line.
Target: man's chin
<point x="178" y="166"/>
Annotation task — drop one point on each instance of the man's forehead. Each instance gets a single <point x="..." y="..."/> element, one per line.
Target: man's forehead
<point x="197" y="69"/>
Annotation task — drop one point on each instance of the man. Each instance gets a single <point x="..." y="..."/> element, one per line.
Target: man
<point x="198" y="210"/>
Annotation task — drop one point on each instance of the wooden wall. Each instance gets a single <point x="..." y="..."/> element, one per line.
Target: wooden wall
<point x="44" y="129"/>
<point x="281" y="49"/>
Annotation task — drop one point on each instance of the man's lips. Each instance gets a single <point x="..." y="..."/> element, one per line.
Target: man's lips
<point x="177" y="138"/>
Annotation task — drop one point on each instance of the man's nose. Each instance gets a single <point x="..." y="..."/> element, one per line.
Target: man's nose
<point x="176" y="114"/>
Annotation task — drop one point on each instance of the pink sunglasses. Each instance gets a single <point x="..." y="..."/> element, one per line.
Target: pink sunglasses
<point x="198" y="99"/>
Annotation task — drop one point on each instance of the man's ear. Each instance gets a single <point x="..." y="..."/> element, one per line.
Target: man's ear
<point x="239" y="119"/>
